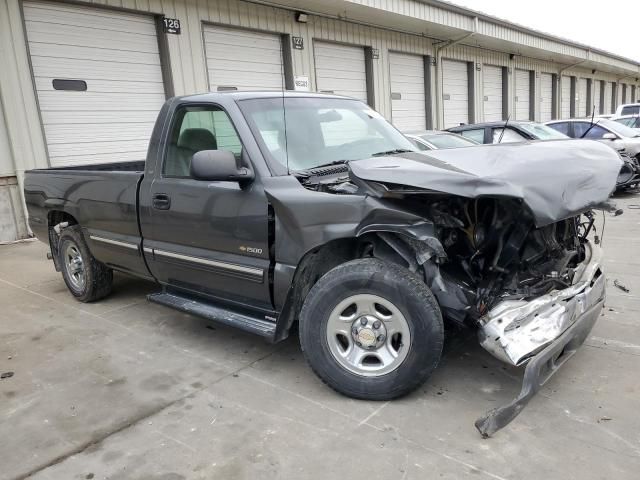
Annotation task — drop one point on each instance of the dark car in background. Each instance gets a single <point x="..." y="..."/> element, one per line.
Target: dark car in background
<point x="518" y="131"/>
<point x="438" y="139"/>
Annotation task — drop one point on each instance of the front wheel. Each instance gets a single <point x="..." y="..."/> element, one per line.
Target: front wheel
<point x="87" y="279"/>
<point x="371" y="330"/>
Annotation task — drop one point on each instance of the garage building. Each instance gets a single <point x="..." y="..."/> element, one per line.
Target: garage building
<point x="82" y="81"/>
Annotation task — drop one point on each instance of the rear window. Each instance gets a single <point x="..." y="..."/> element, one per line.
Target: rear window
<point x="477" y="135"/>
<point x="445" y="140"/>
<point x="631" y="110"/>
<point x="562" y="127"/>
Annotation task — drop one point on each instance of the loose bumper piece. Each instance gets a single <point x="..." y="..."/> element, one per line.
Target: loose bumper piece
<point x="543" y="333"/>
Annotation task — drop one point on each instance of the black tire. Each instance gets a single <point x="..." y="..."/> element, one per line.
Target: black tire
<point x="98" y="278"/>
<point x="408" y="293"/>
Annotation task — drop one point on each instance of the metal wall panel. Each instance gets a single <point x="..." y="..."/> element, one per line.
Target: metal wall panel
<point x="340" y="69"/>
<point x="546" y="97"/>
<point x="581" y="98"/>
<point x="618" y="95"/>
<point x="7" y="167"/>
<point x="242" y="59"/>
<point x="408" y="110"/>
<point x="455" y="93"/>
<point x="523" y="93"/>
<point x="565" y="97"/>
<point x="492" y="92"/>
<point x="116" y="55"/>
<point x="608" y="92"/>
<point x="597" y="92"/>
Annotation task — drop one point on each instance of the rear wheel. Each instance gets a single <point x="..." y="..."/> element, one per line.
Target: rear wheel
<point x="86" y="278"/>
<point x="371" y="330"/>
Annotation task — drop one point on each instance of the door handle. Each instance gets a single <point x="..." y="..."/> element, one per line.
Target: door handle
<point x="161" y="201"/>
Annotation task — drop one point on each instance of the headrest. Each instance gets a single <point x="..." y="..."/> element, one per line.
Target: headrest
<point x="197" y="139"/>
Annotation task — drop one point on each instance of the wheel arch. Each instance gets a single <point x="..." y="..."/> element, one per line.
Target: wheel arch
<point x="57" y="220"/>
<point x="399" y="244"/>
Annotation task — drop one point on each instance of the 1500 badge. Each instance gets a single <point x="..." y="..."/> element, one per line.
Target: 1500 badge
<point x="251" y="250"/>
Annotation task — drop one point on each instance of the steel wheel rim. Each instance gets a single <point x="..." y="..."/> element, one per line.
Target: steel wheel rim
<point x="74" y="265"/>
<point x="349" y="335"/>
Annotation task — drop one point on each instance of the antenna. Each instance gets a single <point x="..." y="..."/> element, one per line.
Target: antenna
<point x="504" y="128"/>
<point x="593" y="113"/>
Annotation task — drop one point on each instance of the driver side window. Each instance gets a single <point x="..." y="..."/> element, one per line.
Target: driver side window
<point x="197" y="129"/>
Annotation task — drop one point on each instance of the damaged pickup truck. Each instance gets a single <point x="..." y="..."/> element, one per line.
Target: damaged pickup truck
<point x="259" y="210"/>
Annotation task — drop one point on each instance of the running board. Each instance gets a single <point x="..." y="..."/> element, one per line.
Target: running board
<point x="203" y="309"/>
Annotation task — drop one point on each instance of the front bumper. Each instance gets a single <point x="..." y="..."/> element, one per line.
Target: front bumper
<point x="515" y="330"/>
<point x="543" y="333"/>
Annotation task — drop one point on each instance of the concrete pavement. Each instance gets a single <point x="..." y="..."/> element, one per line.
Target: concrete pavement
<point x="124" y="389"/>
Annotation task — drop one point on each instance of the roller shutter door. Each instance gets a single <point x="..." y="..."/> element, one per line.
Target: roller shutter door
<point x="581" y="105"/>
<point x="546" y="97"/>
<point x="115" y="55"/>
<point x="492" y="93"/>
<point x="523" y="90"/>
<point x="242" y="59"/>
<point x="408" y="110"/>
<point x="597" y="92"/>
<point x="340" y="69"/>
<point x="565" y="100"/>
<point x="455" y="93"/>
<point x="607" y="98"/>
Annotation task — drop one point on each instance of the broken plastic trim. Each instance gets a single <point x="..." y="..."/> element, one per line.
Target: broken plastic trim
<point x="544" y="364"/>
<point x="514" y="330"/>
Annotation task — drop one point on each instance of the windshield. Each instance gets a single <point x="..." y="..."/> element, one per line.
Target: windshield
<point x="542" y="132"/>
<point x="319" y="131"/>
<point x="618" y="128"/>
<point x="447" y="140"/>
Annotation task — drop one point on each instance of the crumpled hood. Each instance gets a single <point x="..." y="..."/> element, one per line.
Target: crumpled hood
<point x="555" y="179"/>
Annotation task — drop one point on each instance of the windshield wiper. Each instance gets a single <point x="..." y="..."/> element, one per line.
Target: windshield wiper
<point x="391" y="152"/>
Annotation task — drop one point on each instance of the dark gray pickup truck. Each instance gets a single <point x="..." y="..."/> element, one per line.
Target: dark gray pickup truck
<point x="259" y="210"/>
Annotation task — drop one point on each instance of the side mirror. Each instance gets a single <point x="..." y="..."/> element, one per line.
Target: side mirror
<point x="609" y="136"/>
<point x="218" y="165"/>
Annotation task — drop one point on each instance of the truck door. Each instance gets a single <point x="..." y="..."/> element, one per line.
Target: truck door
<point x="202" y="237"/>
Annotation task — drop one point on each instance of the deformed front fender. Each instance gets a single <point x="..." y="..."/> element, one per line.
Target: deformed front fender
<point x="306" y="220"/>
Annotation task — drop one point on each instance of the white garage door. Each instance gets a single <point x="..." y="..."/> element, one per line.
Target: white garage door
<point x="407" y="91"/>
<point x="455" y="93"/>
<point x="492" y="93"/>
<point x="546" y="97"/>
<point x="523" y="89"/>
<point x="115" y="57"/>
<point x="581" y="99"/>
<point x="565" y="99"/>
<point x="340" y="69"/>
<point x="607" y="98"/>
<point x="242" y="59"/>
<point x="597" y="93"/>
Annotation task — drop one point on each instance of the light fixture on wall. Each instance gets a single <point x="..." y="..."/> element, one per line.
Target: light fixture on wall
<point x="512" y="56"/>
<point x="302" y="17"/>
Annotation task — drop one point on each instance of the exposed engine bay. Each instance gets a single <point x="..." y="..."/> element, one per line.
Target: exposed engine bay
<point x="487" y="255"/>
<point x="492" y="248"/>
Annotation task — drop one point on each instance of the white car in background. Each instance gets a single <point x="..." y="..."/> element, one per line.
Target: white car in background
<point x="631" y="121"/>
<point x="628" y="109"/>
<point x="437" y="140"/>
<point x="618" y="136"/>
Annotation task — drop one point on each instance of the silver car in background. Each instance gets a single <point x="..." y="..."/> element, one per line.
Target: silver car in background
<point x="437" y="140"/>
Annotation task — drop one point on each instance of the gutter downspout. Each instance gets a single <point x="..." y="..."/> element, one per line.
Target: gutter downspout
<point x="440" y="79"/>
<point x="560" y="72"/>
